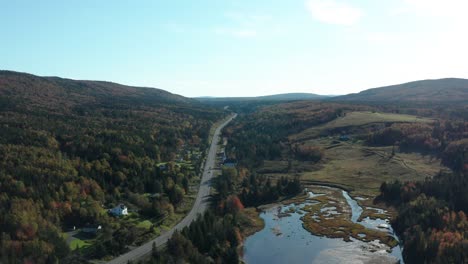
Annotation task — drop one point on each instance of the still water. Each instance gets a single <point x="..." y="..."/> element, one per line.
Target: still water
<point x="284" y="240"/>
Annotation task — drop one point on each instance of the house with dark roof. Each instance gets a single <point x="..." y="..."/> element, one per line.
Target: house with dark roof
<point x="119" y="210"/>
<point x="91" y="229"/>
<point x="222" y="155"/>
<point x="231" y="163"/>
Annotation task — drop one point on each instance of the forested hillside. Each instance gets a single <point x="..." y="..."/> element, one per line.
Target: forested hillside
<point x="262" y="134"/>
<point x="71" y="149"/>
<point x="360" y="146"/>
<point x="432" y="214"/>
<point x="441" y="90"/>
<point x="265" y="98"/>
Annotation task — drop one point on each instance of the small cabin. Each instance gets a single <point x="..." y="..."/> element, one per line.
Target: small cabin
<point x="119" y="210"/>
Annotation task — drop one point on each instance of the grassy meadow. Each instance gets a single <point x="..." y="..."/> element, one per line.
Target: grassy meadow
<point x="356" y="119"/>
<point x="351" y="164"/>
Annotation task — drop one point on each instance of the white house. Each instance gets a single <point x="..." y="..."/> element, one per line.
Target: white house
<point x="119" y="210"/>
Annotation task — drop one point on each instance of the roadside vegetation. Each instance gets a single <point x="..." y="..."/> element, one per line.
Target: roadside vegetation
<point x="218" y="235"/>
<point x="68" y="154"/>
<point x="72" y="150"/>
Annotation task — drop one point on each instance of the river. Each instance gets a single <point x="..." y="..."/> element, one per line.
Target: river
<point x="284" y="240"/>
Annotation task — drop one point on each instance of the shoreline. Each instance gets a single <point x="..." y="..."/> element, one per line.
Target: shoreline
<point x="355" y="250"/>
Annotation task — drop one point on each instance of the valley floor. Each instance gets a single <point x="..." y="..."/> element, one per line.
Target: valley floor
<point x="350" y="165"/>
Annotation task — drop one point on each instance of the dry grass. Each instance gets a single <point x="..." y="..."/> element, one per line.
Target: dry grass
<point x="282" y="166"/>
<point x="251" y="222"/>
<point x="339" y="225"/>
<point x="355" y="167"/>
<point x="374" y="214"/>
<point x="362" y="169"/>
<point x="357" y="119"/>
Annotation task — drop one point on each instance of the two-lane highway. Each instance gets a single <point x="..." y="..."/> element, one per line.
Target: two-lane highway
<point x="200" y="205"/>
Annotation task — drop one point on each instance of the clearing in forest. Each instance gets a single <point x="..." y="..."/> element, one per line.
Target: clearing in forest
<point x="357" y="119"/>
<point x="363" y="169"/>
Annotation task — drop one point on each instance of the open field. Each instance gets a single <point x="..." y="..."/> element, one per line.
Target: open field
<point x="146" y="224"/>
<point x="78" y="240"/>
<point x="356" y="119"/>
<point x="362" y="169"/>
<point x="352" y="165"/>
<point x="78" y="243"/>
<point x="278" y="166"/>
<point x="355" y="167"/>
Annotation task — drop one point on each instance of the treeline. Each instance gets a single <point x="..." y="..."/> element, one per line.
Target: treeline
<point x="432" y="215"/>
<point x="424" y="137"/>
<point x="263" y="135"/>
<point x="254" y="189"/>
<point x="211" y="238"/>
<point x="69" y="149"/>
<point x="431" y="222"/>
<point x="216" y="236"/>
<point x="439" y="110"/>
<point x="307" y="153"/>
<point x="259" y="189"/>
<point x="445" y="140"/>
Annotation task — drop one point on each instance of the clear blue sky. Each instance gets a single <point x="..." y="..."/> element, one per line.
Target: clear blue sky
<point x="237" y="47"/>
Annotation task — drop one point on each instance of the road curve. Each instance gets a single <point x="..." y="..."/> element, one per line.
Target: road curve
<point x="200" y="205"/>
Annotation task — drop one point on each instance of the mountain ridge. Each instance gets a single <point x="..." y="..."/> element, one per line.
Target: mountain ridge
<point x="430" y="90"/>
<point x="273" y="97"/>
<point x="50" y="89"/>
<point x="35" y="88"/>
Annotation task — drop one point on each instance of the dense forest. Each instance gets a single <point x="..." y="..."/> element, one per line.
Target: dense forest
<point x="260" y="134"/>
<point x="71" y="149"/>
<point x="431" y="219"/>
<point x="218" y="235"/>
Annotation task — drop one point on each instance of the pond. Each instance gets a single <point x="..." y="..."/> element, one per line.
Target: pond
<point x="284" y="240"/>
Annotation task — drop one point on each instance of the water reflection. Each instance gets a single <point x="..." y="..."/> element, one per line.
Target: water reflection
<point x="284" y="240"/>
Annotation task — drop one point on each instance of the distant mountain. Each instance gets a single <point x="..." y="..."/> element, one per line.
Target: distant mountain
<point x="61" y="93"/>
<point x="441" y="90"/>
<point x="275" y="97"/>
<point x="293" y="96"/>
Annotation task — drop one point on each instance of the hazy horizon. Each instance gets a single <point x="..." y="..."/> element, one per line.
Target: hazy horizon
<point x="238" y="48"/>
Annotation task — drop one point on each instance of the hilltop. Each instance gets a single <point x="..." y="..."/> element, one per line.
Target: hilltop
<point x="71" y="149"/>
<point x="440" y="90"/>
<point x="274" y="97"/>
<point x="60" y="93"/>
